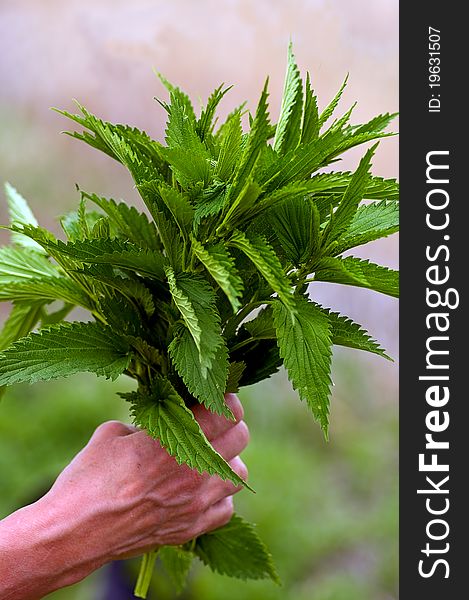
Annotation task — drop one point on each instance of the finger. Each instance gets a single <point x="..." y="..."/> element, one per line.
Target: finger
<point x="218" y="489"/>
<point x="233" y="441"/>
<point x="216" y="516"/>
<point x="111" y="429"/>
<point x="213" y="425"/>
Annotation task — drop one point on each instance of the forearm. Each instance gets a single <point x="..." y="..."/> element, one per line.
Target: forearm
<point x="41" y="551"/>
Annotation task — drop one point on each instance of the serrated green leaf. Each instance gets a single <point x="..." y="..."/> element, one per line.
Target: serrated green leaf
<point x="330" y="108"/>
<point x="177" y="563"/>
<point x="131" y="223"/>
<point x="287" y="133"/>
<point x="22" y="264"/>
<point x="341" y="219"/>
<point x="310" y="123"/>
<point x="376" y="124"/>
<point x="221" y="266"/>
<point x="208" y="389"/>
<point x="79" y="224"/>
<point x="181" y="96"/>
<point x="22" y="319"/>
<point x="189" y="167"/>
<point x="301" y="162"/>
<point x="267" y="263"/>
<point x="195" y="301"/>
<point x="179" y="207"/>
<point x="166" y="418"/>
<point x="236" y="550"/>
<point x="358" y="272"/>
<point x="256" y="140"/>
<point x="48" y="289"/>
<point x="370" y="222"/>
<point x="128" y="145"/>
<point x="296" y="223"/>
<point x="305" y="346"/>
<point x="63" y="350"/>
<point x="345" y="332"/>
<point x="133" y="289"/>
<point x="241" y="208"/>
<point x="20" y="214"/>
<point x="210" y="202"/>
<point x="100" y="251"/>
<point x="230" y="147"/>
<point x="205" y="123"/>
<point x="186" y="152"/>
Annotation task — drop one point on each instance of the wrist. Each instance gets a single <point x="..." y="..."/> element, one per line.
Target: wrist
<point x="40" y="550"/>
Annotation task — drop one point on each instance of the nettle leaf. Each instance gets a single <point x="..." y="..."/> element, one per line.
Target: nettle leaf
<point x="370" y="222"/>
<point x="20" y="214"/>
<point x="310" y="124"/>
<point x="341" y="219"/>
<point x="63" y="350"/>
<point x="330" y="108"/>
<point x="221" y="266"/>
<point x="345" y="332"/>
<point x="52" y="288"/>
<point x="241" y="209"/>
<point x="128" y="145"/>
<point x="177" y="562"/>
<point x="267" y="263"/>
<point x="133" y="289"/>
<point x="301" y="162"/>
<point x="182" y="97"/>
<point x="186" y="153"/>
<point x="230" y="147"/>
<point x="180" y="208"/>
<point x="236" y="550"/>
<point x="79" y="225"/>
<point x="23" y="264"/>
<point x="195" y="300"/>
<point x="165" y="417"/>
<point x="168" y="230"/>
<point x="296" y="224"/>
<point x="130" y="223"/>
<point x="101" y="251"/>
<point x="209" y="389"/>
<point x="358" y="272"/>
<point x="22" y="319"/>
<point x="287" y="134"/>
<point x="305" y="346"/>
<point x="256" y="140"/>
<point x="205" y="123"/>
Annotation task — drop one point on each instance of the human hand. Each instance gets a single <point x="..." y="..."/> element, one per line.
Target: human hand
<point x="123" y="495"/>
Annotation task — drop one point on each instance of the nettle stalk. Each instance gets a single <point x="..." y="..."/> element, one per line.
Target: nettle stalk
<point x="210" y="293"/>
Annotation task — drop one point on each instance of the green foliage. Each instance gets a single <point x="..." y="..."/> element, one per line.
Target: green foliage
<point x="208" y="293"/>
<point x="305" y="347"/>
<point x="63" y="350"/>
<point x="236" y="550"/>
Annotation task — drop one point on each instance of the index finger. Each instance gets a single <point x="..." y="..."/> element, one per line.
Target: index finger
<point x="214" y="425"/>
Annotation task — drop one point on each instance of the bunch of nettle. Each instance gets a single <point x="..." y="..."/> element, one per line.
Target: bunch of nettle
<point x="211" y="292"/>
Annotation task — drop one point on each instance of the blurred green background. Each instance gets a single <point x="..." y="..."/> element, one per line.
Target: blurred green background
<point x="328" y="511"/>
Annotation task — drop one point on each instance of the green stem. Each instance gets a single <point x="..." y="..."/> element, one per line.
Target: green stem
<point x="144" y="576"/>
